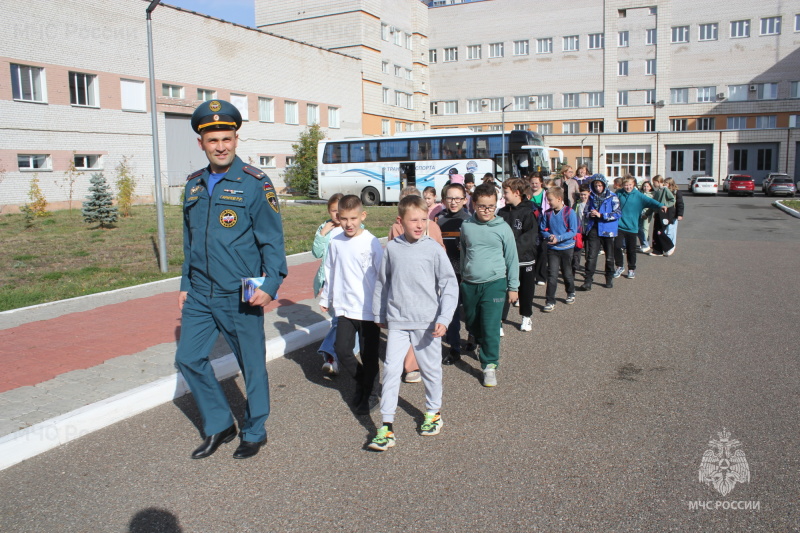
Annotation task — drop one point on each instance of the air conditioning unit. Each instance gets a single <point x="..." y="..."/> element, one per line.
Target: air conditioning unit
<point x="754" y="87"/>
<point x="721" y="96"/>
<point x="531" y="99"/>
<point x="484" y="103"/>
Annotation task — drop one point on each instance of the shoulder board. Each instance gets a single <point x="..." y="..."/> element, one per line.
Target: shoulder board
<point x="195" y="174"/>
<point x="253" y="171"/>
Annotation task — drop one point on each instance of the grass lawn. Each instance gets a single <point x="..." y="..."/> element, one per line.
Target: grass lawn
<point x="793" y="204"/>
<point x="61" y="257"/>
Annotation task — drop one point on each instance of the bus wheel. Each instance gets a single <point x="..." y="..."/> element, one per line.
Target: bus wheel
<point x="370" y="196"/>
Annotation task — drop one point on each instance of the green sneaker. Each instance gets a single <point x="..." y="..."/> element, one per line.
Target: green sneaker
<point x="432" y="424"/>
<point x="383" y="440"/>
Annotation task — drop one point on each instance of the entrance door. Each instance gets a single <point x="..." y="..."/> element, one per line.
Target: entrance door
<point x="183" y="154"/>
<point x="687" y="160"/>
<point x="408" y="175"/>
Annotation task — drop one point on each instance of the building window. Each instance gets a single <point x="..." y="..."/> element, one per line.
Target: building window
<point x="650" y="96"/>
<point x="737" y="93"/>
<point x="384" y="32"/>
<point x="596" y="41"/>
<point x="650" y="36"/>
<point x="622" y="98"/>
<point x="398" y="71"/>
<point x="385" y="127"/>
<point x="333" y="117"/>
<point x="544" y="101"/>
<point x="473" y="51"/>
<point x="495" y="127"/>
<point x="622" y="68"/>
<point x="171" y="91"/>
<point x="680" y="34"/>
<point x="28" y="83"/>
<point x="767" y="91"/>
<point x="290" y="110"/>
<point x="521" y="48"/>
<point x="709" y="32"/>
<point x="450" y="107"/>
<point x="737" y="123"/>
<point x="431" y="57"/>
<point x="797" y="22"/>
<point x="771" y="26"/>
<point x="474" y="105"/>
<point x="740" y="29"/>
<point x="622" y="126"/>
<point x="476" y="128"/>
<point x="133" y="95"/>
<point x="409" y="41"/>
<point x="650" y="125"/>
<point x="87" y="162"/>
<point x="544" y="129"/>
<point x="676" y="161"/>
<point x="623" y="39"/>
<point x="290" y="160"/>
<point x="312" y="114"/>
<point x="765" y="122"/>
<point x="739" y="159"/>
<point x="450" y="54"/>
<point x="650" y="67"/>
<point x="570" y="127"/>
<point x="496" y="50"/>
<point x="571" y="100"/>
<point x="239" y="101"/>
<point x="385" y="67"/>
<point x="386" y="95"/>
<point x="679" y="96"/>
<point x="706" y="94"/>
<point x="435" y="108"/>
<point x="34" y="162"/>
<point x="571" y="43"/>
<point x="266" y="161"/>
<point x="496" y="104"/>
<point x="596" y="126"/>
<point x="83" y="89"/>
<point x="544" y="46"/>
<point x="398" y="36"/>
<point x="521" y="103"/>
<point x="595" y="99"/>
<point x="409" y="74"/>
<point x="678" y="124"/>
<point x="635" y="162"/>
<point x="205" y="95"/>
<point x="706" y="123"/>
<point x="522" y="127"/>
<point x="794" y="89"/>
<point x="266" y="109"/>
<point x="764" y="159"/>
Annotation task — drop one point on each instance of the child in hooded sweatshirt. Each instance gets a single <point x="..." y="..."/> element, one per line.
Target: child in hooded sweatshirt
<point x="558" y="226"/>
<point x="601" y="214"/>
<point x="631" y="202"/>
<point x="518" y="214"/>
<point x="489" y="269"/>
<point x="416" y="293"/>
<point x="583" y="198"/>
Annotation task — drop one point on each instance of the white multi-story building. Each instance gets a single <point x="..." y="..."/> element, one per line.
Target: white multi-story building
<point x="74" y="90"/>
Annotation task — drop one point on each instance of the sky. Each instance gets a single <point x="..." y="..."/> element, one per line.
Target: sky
<point x="238" y="11"/>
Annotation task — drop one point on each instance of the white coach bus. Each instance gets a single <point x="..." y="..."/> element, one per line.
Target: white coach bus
<point x="377" y="168"/>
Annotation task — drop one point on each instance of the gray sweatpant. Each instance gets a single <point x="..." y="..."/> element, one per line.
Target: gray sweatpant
<point x="428" y="350"/>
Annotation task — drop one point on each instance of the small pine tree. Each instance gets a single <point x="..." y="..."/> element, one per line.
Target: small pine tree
<point x="125" y="186"/>
<point x="302" y="175"/>
<point x="98" y="206"/>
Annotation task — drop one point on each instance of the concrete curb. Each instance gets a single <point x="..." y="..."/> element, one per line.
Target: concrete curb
<point x="787" y="210"/>
<point x="39" y="438"/>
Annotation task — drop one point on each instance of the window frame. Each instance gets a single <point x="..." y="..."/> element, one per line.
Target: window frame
<point x="574" y="128"/>
<point x="571" y="40"/>
<point x="471" y="52"/>
<point x="704" y="29"/>
<point x="570" y="100"/>
<point x="270" y="161"/>
<point x="595" y="41"/>
<point x="41" y="80"/>
<point x="544" y="45"/>
<point x="706" y="94"/>
<point x="91" y="89"/>
<point x="211" y="91"/>
<point x="737" y="25"/>
<point x="623" y="39"/>
<point x="242" y="103"/>
<point x="675" y="92"/>
<point x="170" y="89"/>
<point x="679" y="34"/>
<point x="736" y="123"/>
<point x="776" y="23"/>
<point x="622" y="68"/>
<point x="650" y="66"/>
<point x="98" y="161"/>
<point x="525" y="43"/>
<point x="597" y="96"/>
<point x="761" y="90"/>
<point x="622" y="98"/>
<point x="334" y="117"/>
<point x="126" y="94"/>
<point x="497" y="50"/>
<point x="542" y="99"/>
<point x="744" y="89"/>
<point x="451" y="53"/>
<point x="770" y="119"/>
<point x="432" y="58"/>
<point x="266" y="109"/>
<point x="651" y="36"/>
<point x="47" y="165"/>
<point x="312" y="114"/>
<point x="522" y="103"/>
<point x="707" y="123"/>
<point x="295" y="107"/>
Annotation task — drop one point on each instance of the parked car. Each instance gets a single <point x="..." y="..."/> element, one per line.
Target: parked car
<point x="694" y="178"/>
<point x="781" y="185"/>
<point x="740" y="184"/>
<point x="765" y="184"/>
<point x="704" y="185"/>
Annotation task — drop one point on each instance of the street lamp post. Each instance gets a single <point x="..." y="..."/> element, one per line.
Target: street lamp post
<point x="162" y="239"/>
<point x="503" y="115"/>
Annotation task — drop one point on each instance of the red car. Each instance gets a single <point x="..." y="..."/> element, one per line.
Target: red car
<point x="741" y="184"/>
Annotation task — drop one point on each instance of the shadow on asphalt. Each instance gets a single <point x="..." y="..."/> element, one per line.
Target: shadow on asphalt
<point x="154" y="519"/>
<point x="188" y="407"/>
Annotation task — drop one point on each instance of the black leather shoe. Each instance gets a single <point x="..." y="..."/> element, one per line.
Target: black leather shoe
<point x="585" y="287"/>
<point x="248" y="449"/>
<point x="213" y="442"/>
<point x="610" y="283"/>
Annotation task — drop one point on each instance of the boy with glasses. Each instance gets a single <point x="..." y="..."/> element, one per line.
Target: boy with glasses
<point x="489" y="269"/>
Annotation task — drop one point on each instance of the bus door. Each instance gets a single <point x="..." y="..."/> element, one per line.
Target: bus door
<point x="408" y="175"/>
<point x="517" y="165"/>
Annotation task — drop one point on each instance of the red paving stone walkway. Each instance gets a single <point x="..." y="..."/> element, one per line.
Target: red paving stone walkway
<point x="39" y="351"/>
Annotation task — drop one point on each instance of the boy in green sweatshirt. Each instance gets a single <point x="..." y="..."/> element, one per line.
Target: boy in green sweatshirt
<point x="489" y="269"/>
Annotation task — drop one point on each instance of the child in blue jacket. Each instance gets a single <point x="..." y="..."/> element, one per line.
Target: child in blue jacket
<point x="558" y="226"/>
<point x="601" y="217"/>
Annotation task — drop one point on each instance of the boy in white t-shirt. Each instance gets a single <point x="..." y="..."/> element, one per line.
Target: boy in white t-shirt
<point x="352" y="265"/>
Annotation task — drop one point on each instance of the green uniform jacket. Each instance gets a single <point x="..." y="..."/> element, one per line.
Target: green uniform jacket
<point x="234" y="234"/>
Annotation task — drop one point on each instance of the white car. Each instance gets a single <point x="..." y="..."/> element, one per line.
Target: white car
<point x="704" y="185"/>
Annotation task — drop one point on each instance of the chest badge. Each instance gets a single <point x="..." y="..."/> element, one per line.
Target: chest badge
<point x="196" y="189"/>
<point x="228" y="218"/>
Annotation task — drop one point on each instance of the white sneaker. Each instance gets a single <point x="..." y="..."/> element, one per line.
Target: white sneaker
<point x="516" y="304"/>
<point x="646" y="250"/>
<point x="526" y="324"/>
<point x="331" y="366"/>
<point x="502" y="334"/>
<point x="490" y="376"/>
<point x="671" y="251"/>
<point x="540" y="283"/>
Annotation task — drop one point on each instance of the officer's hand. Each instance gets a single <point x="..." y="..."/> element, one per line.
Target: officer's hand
<point x="260" y="299"/>
<point x="439" y="330"/>
<point x="181" y="299"/>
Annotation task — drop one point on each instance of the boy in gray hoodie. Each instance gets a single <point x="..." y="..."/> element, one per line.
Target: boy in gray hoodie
<point x="416" y="294"/>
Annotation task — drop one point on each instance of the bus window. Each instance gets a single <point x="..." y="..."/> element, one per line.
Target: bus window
<point x="425" y="149"/>
<point x="335" y="153"/>
<point x="393" y="150"/>
<point x="358" y="152"/>
<point x="372" y="151"/>
<point x="486" y="147"/>
<point x="458" y="148"/>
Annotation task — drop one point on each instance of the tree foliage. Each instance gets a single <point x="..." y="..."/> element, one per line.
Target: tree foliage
<point x="302" y="175"/>
<point x="125" y="186"/>
<point x="99" y="205"/>
<point x="37" y="207"/>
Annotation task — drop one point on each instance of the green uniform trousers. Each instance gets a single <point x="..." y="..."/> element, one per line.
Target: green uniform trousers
<point x="483" y="314"/>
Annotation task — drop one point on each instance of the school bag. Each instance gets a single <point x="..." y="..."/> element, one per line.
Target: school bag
<point x="578" y="238"/>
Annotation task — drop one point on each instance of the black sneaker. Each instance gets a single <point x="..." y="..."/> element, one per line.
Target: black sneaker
<point x="452" y="357"/>
<point x="585" y="287"/>
<point x="470" y="343"/>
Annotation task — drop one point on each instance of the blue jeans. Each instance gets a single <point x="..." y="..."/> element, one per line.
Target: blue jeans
<point x="327" y="346"/>
<point x="672" y="232"/>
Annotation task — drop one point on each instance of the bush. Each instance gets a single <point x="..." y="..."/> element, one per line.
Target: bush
<point x="125" y="186"/>
<point x="37" y="207"/>
<point x="302" y="175"/>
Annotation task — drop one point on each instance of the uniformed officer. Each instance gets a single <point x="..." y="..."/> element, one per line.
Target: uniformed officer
<point x="232" y="230"/>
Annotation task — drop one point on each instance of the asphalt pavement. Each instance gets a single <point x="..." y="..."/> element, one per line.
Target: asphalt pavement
<point x="600" y="420"/>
